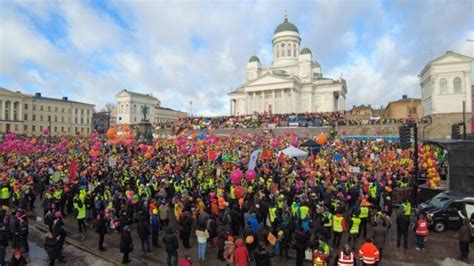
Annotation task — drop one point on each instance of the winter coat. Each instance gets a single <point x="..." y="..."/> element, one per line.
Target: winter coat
<point x="379" y="235"/>
<point x="101" y="226"/>
<point x="53" y="248"/>
<point x="143" y="229"/>
<point x="202" y="236"/>
<point x="464" y="233"/>
<point x="170" y="241"/>
<point x="403" y="223"/>
<point x="229" y="248"/>
<point x="184" y="262"/>
<point x="241" y="254"/>
<point x="3" y="238"/>
<point x="263" y="257"/>
<point x="126" y="242"/>
<point x="186" y="223"/>
<point x="155" y="223"/>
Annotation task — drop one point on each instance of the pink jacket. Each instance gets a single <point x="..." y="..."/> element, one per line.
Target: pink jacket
<point x="241" y="254"/>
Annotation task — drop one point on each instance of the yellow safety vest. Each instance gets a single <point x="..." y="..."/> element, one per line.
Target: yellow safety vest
<point x="329" y="221"/>
<point x="364" y="212"/>
<point x="407" y="208"/>
<point x="5" y="193"/>
<point x="81" y="212"/>
<point x="272" y="214"/>
<point x="355" y="225"/>
<point x="304" y="212"/>
<point x="337" y="224"/>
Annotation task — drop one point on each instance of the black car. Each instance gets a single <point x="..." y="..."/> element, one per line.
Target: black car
<point x="447" y="211"/>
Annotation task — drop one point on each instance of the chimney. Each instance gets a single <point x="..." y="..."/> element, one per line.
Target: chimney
<point x="38" y="94"/>
<point x="404" y="97"/>
<point x="64" y="98"/>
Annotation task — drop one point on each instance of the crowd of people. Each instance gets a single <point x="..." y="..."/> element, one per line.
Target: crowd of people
<point x="236" y="193"/>
<point x="265" y="120"/>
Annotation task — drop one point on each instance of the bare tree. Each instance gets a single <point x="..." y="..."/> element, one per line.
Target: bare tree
<point x="108" y="107"/>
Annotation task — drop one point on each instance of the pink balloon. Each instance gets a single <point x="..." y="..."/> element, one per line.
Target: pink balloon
<point x="295" y="143"/>
<point x="192" y="150"/>
<point x="183" y="150"/>
<point x="275" y="144"/>
<point x="250" y="174"/>
<point x="236" y="176"/>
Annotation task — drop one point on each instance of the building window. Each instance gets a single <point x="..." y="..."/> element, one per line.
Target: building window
<point x="278" y="53"/>
<point x="443" y="86"/>
<point x="34" y="118"/>
<point x="55" y="129"/>
<point x="289" y="52"/>
<point x="56" y="109"/>
<point x="49" y="118"/>
<point x="26" y="106"/>
<point x="25" y="117"/>
<point x="135" y="119"/>
<point x="69" y="130"/>
<point x="62" y="110"/>
<point x="33" y="128"/>
<point x="282" y="53"/>
<point x="41" y="108"/>
<point x="134" y="108"/>
<point x="88" y="112"/>
<point x="41" y="128"/>
<point x="75" y="111"/>
<point x="88" y="130"/>
<point x="16" y="128"/>
<point x="82" y="111"/>
<point x="62" y="129"/>
<point x="411" y="110"/>
<point x="34" y="107"/>
<point x="82" y="120"/>
<point x="41" y="118"/>
<point x="49" y="108"/>
<point x="282" y="45"/>
<point x="294" y="52"/>
<point x="56" y="119"/>
<point x="62" y="119"/>
<point x="457" y="85"/>
<point x="75" y="120"/>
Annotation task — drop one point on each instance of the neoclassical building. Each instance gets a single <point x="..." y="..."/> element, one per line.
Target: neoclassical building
<point x="130" y="104"/>
<point x="31" y="114"/>
<point x="445" y="83"/>
<point x="294" y="83"/>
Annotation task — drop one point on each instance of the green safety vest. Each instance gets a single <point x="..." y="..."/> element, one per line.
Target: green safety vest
<point x="364" y="212"/>
<point x="81" y="212"/>
<point x="272" y="214"/>
<point x="373" y="191"/>
<point x="303" y="212"/>
<point x="355" y="225"/>
<point x="294" y="208"/>
<point x="407" y="208"/>
<point x="337" y="224"/>
<point x="232" y="192"/>
<point x="57" y="194"/>
<point x="5" y="193"/>
<point x="155" y="186"/>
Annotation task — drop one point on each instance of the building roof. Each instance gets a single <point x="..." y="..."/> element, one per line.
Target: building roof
<point x="362" y="106"/>
<point x="286" y="26"/>
<point x="137" y="94"/>
<point x="448" y="53"/>
<point x="254" y="58"/>
<point x="40" y="97"/>
<point x="403" y="100"/>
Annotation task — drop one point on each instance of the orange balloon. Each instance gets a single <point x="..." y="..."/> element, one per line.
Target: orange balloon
<point x="321" y="139"/>
<point x="112" y="133"/>
<point x="148" y="155"/>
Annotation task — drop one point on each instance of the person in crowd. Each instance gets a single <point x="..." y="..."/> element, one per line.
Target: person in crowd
<point x="3" y="243"/>
<point x="403" y="224"/>
<point x="464" y="237"/>
<point x="102" y="229"/>
<point x="53" y="248"/>
<point x="171" y="245"/>
<point x="338" y="227"/>
<point x="18" y="259"/>
<point x="263" y="255"/>
<point x="241" y="254"/>
<point x="421" y="232"/>
<point x="143" y="230"/>
<point x="186" y="224"/>
<point x="185" y="261"/>
<point x="301" y="244"/>
<point x="319" y="258"/>
<point x="126" y="244"/>
<point x="202" y="236"/>
<point x="346" y="257"/>
<point x="379" y="236"/>
<point x="59" y="233"/>
<point x="369" y="253"/>
<point x="155" y="228"/>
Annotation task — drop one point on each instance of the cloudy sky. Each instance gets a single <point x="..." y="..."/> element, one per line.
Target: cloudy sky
<point x="197" y="51"/>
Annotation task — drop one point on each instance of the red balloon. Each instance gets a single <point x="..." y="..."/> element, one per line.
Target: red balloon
<point x="239" y="192"/>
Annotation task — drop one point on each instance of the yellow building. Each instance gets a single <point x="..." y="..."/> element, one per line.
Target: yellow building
<point x="405" y="108"/>
<point x="362" y="110"/>
<point x="31" y="114"/>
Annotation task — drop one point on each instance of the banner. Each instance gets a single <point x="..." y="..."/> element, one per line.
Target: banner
<point x="253" y="159"/>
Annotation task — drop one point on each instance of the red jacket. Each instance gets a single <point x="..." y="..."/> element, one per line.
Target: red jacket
<point x="241" y="254"/>
<point x="185" y="262"/>
<point x="369" y="253"/>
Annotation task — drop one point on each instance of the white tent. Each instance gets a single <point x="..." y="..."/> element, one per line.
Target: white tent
<point x="294" y="152"/>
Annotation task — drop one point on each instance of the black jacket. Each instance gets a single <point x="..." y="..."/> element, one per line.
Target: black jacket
<point x="263" y="257"/>
<point x="101" y="226"/>
<point x="143" y="229"/>
<point x="126" y="242"/>
<point x="170" y="241"/>
<point x="53" y="248"/>
<point x="403" y="223"/>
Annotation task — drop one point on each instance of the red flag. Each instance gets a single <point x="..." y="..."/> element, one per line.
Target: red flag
<point x="281" y="158"/>
<point x="211" y="155"/>
<point x="73" y="170"/>
<point x="266" y="154"/>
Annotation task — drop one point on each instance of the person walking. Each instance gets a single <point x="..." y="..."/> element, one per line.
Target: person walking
<point x="155" y="228"/>
<point x="202" y="236"/>
<point x="52" y="247"/>
<point x="403" y="223"/>
<point x="143" y="230"/>
<point x="421" y="232"/>
<point x="101" y="230"/>
<point x="18" y="259"/>
<point x="81" y="217"/>
<point x="338" y="227"/>
<point x="368" y="253"/>
<point x="354" y="224"/>
<point x="3" y="243"/>
<point x="263" y="255"/>
<point x="379" y="236"/>
<point x="464" y="235"/>
<point x="126" y="244"/>
<point x="172" y="245"/>
<point x="346" y="257"/>
<point x="241" y="254"/>
<point x="319" y="258"/>
<point x="186" y="224"/>
<point x="301" y="243"/>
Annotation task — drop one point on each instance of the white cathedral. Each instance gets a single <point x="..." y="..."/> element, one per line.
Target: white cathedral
<point x="294" y="83"/>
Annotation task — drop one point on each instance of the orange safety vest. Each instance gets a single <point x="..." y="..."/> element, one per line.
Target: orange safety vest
<point x="369" y="253"/>
<point x="422" y="228"/>
<point x="319" y="259"/>
<point x="345" y="260"/>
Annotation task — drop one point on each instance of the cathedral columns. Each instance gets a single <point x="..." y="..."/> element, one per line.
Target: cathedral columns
<point x="273" y="101"/>
<point x="283" y="101"/>
<point x="254" y="102"/>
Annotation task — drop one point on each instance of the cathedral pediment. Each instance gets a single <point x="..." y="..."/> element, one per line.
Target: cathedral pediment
<point x="268" y="79"/>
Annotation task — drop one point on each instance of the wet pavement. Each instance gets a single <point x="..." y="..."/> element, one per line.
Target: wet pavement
<point x="441" y="249"/>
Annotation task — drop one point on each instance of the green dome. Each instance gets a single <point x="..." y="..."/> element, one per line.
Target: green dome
<point x="286" y="26"/>
<point x="305" y="50"/>
<point x="254" y="59"/>
<point x="316" y="64"/>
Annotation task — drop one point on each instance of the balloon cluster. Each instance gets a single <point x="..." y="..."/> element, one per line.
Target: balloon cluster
<point x="321" y="139"/>
<point x="428" y="162"/>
